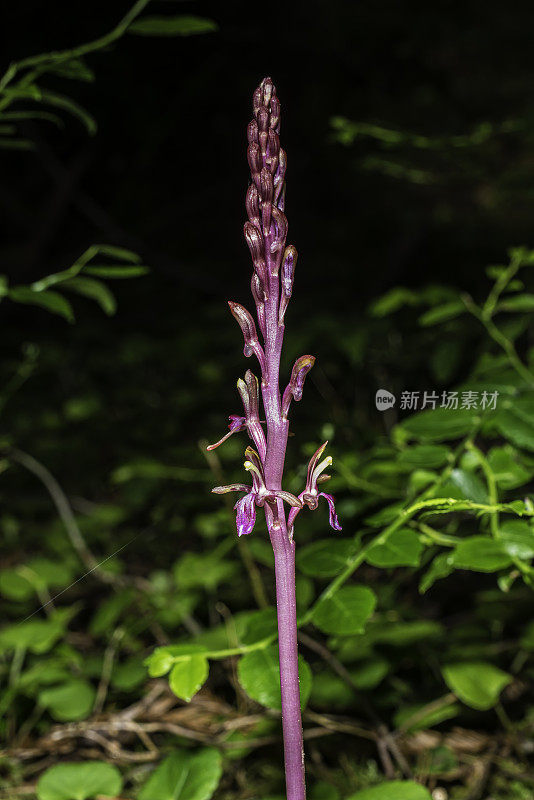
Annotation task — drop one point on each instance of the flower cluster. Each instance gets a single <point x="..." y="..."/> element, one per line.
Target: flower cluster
<point x="272" y="286"/>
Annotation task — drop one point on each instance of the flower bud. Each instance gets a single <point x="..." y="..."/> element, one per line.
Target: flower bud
<point x="254" y="158"/>
<point x="278" y="240"/>
<point x="254" y="241"/>
<point x="252" y="205"/>
<point x="267" y="87"/>
<point x="262" y="118"/>
<point x="288" y="269"/>
<point x="252" y="132"/>
<point x="275" y="114"/>
<point x="298" y="375"/>
<point x="288" y="274"/>
<point x="246" y="323"/>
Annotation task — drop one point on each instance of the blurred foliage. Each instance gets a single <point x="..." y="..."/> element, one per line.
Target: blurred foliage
<point x="416" y="627"/>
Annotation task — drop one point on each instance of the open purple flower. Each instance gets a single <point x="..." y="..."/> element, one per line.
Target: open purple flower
<point x="255" y="495"/>
<point x="310" y="496"/>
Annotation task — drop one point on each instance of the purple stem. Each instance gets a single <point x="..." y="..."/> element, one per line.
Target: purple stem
<point x="283" y="546"/>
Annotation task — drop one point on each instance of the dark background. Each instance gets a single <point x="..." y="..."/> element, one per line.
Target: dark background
<point x="166" y="176"/>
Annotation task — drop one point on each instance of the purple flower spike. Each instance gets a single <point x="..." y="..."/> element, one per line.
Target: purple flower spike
<point x="273" y="273"/>
<point x="246" y="515"/>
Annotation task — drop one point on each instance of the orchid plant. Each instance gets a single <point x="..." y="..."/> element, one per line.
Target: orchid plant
<point x="272" y="286"/>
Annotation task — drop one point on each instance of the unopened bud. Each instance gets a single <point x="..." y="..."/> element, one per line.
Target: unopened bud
<point x="288" y="269"/>
<point x="254" y="157"/>
<point x="252" y="132"/>
<point x="275" y="113"/>
<point x="254" y="241"/>
<point x="252" y="205"/>
<point x="295" y="386"/>
<point x="246" y="323"/>
<point x="262" y="118"/>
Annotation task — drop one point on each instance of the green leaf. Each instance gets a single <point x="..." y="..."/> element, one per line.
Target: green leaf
<point x="51" y="301"/>
<point x="183" y="25"/>
<point x="325" y="558"/>
<point x="116" y="272"/>
<point x="346" y="611"/>
<point x="128" y="675"/>
<point x="392" y="301"/>
<point x="37" y="635"/>
<point x="23" y="581"/>
<point x="402" y="548"/>
<point x="188" y="676"/>
<point x="428" y="456"/>
<point x="94" y="290"/>
<point x="440" y="424"/>
<point x="369" y="673"/>
<point x="323" y="791"/>
<point x="69" y="701"/>
<point x="507" y="469"/>
<point x="477" y="683"/>
<point x="521" y="302"/>
<point x="393" y="790"/>
<point x="441" y="567"/>
<point x="163" y="658"/>
<point x="413" y="718"/>
<point x="481" y="554"/>
<point x="518" y="428"/>
<point x="464" y="485"/>
<point x="208" y="571"/>
<point x="442" y="313"/>
<point x="79" y="781"/>
<point x="67" y="104"/>
<point x="259" y="675"/>
<point x="184" y="776"/>
<point x="517" y="538"/>
<point x="74" y="68"/>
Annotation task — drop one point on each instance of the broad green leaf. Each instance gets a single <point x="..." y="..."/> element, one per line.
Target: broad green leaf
<point x="83" y="780"/>
<point x="403" y="634"/>
<point x="163" y="658"/>
<point x="414" y="718"/>
<point x="393" y="790"/>
<point x="481" y="554"/>
<point x="476" y="683"/>
<point x="346" y="611"/>
<point x="325" y="558"/>
<point x="442" y="313"/>
<point x="519" y="429"/>
<point x="329" y="691"/>
<point x="184" y="776"/>
<point x="369" y="673"/>
<point x="428" y="456"/>
<point x="21" y="583"/>
<point x="259" y="675"/>
<point x="94" y="290"/>
<point x="257" y="625"/>
<point x="517" y="538"/>
<point x="440" y="424"/>
<point x="208" y="571"/>
<point x="71" y="700"/>
<point x="37" y="635"/>
<point x="465" y="485"/>
<point x="321" y="790"/>
<point x="188" y="676"/>
<point x="507" y="468"/>
<point x="128" y="675"/>
<point x="402" y="548"/>
<point x="51" y="301"/>
<point x="183" y="25"/>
